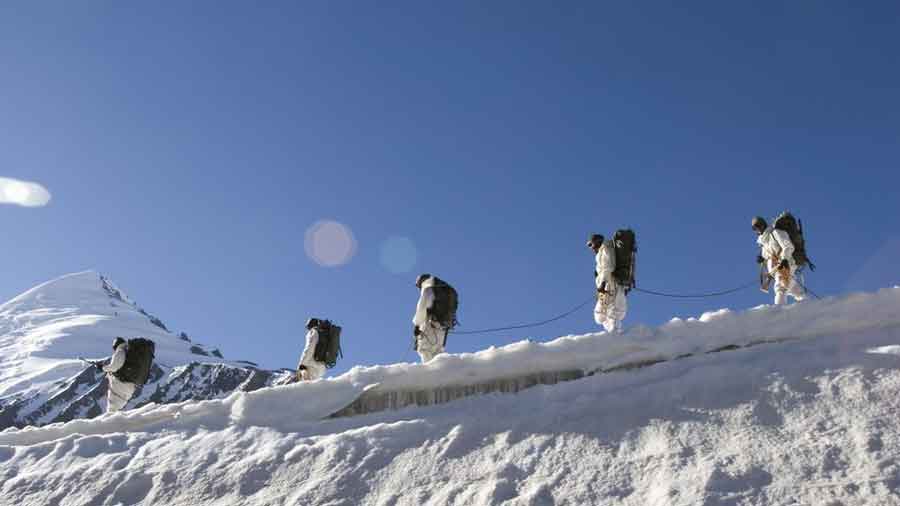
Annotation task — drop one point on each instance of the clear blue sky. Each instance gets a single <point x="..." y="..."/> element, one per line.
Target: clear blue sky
<point x="188" y="148"/>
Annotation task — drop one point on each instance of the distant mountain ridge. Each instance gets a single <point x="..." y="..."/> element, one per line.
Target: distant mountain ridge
<point x="45" y="330"/>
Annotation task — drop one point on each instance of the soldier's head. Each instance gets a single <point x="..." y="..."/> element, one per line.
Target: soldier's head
<point x="759" y="224"/>
<point x="421" y="279"/>
<point x="595" y="241"/>
<point x="117" y="342"/>
<point x="311" y="323"/>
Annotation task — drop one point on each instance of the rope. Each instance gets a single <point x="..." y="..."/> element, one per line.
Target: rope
<point x="527" y="325"/>
<point x="648" y="292"/>
<point x="807" y="290"/>
<point x="698" y="295"/>
<point x="579" y="306"/>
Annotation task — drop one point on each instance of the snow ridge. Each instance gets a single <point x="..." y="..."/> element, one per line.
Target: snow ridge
<point x="805" y="417"/>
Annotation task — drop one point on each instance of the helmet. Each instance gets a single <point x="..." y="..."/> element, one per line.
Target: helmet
<point x="595" y="241"/>
<point x="421" y="279"/>
<point x="759" y="223"/>
<point x="117" y="341"/>
<point x="312" y="322"/>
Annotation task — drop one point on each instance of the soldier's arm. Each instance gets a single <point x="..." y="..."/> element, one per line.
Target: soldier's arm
<point x="117" y="361"/>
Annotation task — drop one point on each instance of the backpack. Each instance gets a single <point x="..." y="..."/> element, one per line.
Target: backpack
<point x="138" y="359"/>
<point x="328" y="349"/>
<point x="794" y="228"/>
<point x="626" y="256"/>
<point x="446" y="302"/>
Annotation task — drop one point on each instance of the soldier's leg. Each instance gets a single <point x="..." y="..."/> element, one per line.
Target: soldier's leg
<point x="314" y="372"/>
<point x="429" y="344"/>
<point x="599" y="313"/>
<point x="442" y="339"/>
<point x="620" y="308"/>
<point x="426" y="354"/>
<point x="118" y="395"/>
<point x="780" y="297"/>
<point x="782" y="282"/>
<point x="609" y="324"/>
<point x="796" y="289"/>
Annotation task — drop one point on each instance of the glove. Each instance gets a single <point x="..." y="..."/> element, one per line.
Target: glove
<point x="760" y="259"/>
<point x="784" y="264"/>
<point x="98" y="364"/>
<point x="416" y="331"/>
<point x="301" y="368"/>
<point x="602" y="288"/>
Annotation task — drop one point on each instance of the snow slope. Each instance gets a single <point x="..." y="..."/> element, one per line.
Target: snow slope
<point x="44" y="330"/>
<point x="806" y="416"/>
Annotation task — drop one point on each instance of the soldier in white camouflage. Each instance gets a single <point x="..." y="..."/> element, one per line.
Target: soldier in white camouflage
<point x="777" y="253"/>
<point x="612" y="305"/>
<point x="119" y="391"/>
<point x="429" y="334"/>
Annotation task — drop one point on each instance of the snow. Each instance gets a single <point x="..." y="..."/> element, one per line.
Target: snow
<point x="44" y="330"/>
<point x="891" y="350"/>
<point x="803" y="412"/>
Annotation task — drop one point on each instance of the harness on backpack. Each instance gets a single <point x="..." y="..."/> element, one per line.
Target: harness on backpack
<point x="328" y="349"/>
<point x="626" y="258"/>
<point x="794" y="228"/>
<point x="138" y="359"/>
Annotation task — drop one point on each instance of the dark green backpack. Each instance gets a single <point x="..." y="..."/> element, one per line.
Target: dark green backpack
<point x="446" y="303"/>
<point x="794" y="228"/>
<point x="626" y="253"/>
<point x="328" y="349"/>
<point x="138" y="359"/>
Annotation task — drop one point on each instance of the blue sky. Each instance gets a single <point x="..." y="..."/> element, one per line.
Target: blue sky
<point x="189" y="147"/>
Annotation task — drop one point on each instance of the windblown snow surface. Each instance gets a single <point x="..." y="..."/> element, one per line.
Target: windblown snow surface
<point x="804" y="411"/>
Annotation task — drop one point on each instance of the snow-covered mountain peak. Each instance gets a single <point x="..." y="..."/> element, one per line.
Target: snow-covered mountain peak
<point x="86" y="294"/>
<point x="79" y="287"/>
<point x="44" y="330"/>
<point x="49" y="326"/>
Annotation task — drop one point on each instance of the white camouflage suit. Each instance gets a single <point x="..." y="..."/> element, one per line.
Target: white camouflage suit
<point x="430" y="341"/>
<point x="611" y="306"/>
<point x="119" y="392"/>
<point x="314" y="368"/>
<point x="775" y="246"/>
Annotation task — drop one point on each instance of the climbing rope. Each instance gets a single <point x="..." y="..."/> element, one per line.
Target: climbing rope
<point x="807" y="290"/>
<point x="527" y="325"/>
<point x="697" y="295"/>
<point x="586" y="302"/>
<point x="641" y="290"/>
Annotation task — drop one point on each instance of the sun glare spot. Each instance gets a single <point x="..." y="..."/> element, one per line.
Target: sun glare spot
<point x="329" y="243"/>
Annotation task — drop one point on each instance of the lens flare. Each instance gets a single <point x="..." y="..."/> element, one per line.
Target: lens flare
<point x="329" y="243"/>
